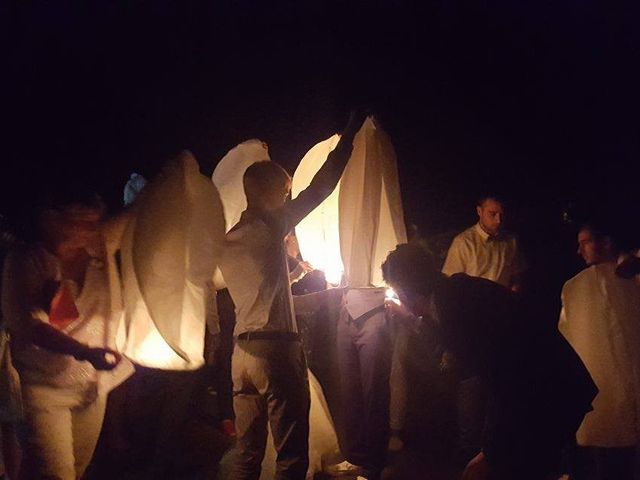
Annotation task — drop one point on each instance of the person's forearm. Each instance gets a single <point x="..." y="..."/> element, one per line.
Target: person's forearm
<point x="323" y="183"/>
<point x="327" y="178"/>
<point x="45" y="336"/>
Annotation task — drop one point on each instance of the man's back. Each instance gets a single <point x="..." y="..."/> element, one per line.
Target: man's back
<point x="255" y="269"/>
<point x="600" y="319"/>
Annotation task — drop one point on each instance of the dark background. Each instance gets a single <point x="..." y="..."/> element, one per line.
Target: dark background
<point x="535" y="99"/>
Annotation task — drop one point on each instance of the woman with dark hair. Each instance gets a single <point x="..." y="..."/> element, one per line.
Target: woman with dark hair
<point x="58" y="298"/>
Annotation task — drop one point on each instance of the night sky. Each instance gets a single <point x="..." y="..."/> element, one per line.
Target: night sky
<point x="535" y="99"/>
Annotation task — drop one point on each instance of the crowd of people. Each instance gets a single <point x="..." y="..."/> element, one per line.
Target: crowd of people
<point x="533" y="402"/>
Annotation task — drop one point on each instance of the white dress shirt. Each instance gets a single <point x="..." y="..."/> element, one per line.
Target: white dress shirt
<point x="255" y="269"/>
<point x="254" y="261"/>
<point x="478" y="254"/>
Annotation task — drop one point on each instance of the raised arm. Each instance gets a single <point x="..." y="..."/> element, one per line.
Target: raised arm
<point x="326" y="179"/>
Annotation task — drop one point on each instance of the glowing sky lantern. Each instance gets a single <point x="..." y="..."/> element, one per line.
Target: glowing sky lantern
<point x="169" y="253"/>
<point x="318" y="234"/>
<point x="354" y="229"/>
<point x="228" y="174"/>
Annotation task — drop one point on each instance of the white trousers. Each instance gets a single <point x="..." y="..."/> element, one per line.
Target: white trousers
<point x="270" y="385"/>
<point x="62" y="430"/>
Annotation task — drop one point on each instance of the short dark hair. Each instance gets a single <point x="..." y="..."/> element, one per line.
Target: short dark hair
<point x="490" y="196"/>
<point x="413" y="267"/>
<point x="261" y="175"/>
<point x="60" y="201"/>
<point x="601" y="232"/>
<point x="77" y="196"/>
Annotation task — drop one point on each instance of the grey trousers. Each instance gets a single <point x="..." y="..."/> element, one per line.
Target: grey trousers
<point x="270" y="384"/>
<point x="364" y="355"/>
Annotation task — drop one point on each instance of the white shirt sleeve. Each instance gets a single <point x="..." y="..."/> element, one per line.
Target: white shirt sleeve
<point x="455" y="262"/>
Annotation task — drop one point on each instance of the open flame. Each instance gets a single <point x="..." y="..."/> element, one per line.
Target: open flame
<point x="391" y="295"/>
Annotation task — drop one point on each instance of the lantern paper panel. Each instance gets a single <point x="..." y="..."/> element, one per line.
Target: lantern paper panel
<point x="227" y="177"/>
<point x="371" y="215"/>
<point x="169" y="252"/>
<point x="318" y="235"/>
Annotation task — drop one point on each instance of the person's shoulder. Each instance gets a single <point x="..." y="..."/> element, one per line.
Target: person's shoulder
<point x="606" y="274"/>
<point x="248" y="221"/>
<point x="466" y="237"/>
<point x="470" y="232"/>
<point x="584" y="275"/>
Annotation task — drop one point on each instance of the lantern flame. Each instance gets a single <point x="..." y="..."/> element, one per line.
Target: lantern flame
<point x="392" y="296"/>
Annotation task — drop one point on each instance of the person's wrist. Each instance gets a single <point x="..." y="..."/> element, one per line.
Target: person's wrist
<point x="346" y="145"/>
<point x="82" y="352"/>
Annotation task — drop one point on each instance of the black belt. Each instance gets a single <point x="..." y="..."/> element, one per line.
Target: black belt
<point x="366" y="316"/>
<point x="266" y="335"/>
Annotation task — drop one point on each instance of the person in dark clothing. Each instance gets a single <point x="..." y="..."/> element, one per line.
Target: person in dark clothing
<point x="537" y="388"/>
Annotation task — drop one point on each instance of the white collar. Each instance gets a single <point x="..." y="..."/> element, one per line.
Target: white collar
<point x="480" y="231"/>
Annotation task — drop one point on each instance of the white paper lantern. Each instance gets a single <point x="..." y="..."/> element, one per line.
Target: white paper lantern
<point x="169" y="252"/>
<point x="354" y="229"/>
<point x="318" y="233"/>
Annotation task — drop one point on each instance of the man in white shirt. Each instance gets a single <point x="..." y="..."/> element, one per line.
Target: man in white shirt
<point x="486" y="251"/>
<point x="600" y="318"/>
<point x="269" y="369"/>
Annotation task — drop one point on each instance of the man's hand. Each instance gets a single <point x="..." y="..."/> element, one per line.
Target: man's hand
<point x="357" y="117"/>
<point x="306" y="266"/>
<point x="100" y="358"/>
<point x="396" y="310"/>
<point x="476" y="469"/>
